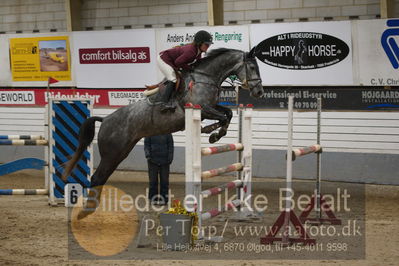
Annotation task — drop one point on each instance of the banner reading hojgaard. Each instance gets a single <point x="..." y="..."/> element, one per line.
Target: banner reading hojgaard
<point x="37" y="59"/>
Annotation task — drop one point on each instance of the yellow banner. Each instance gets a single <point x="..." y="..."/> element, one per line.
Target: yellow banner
<point x="37" y="59"/>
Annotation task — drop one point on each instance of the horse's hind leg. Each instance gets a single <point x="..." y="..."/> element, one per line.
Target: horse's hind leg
<point x="98" y="179"/>
<point x="109" y="162"/>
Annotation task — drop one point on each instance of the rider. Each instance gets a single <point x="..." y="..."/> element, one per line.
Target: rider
<point x="179" y="57"/>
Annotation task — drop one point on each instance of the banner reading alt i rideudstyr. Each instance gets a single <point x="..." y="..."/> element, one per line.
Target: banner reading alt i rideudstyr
<point x="36" y="59"/>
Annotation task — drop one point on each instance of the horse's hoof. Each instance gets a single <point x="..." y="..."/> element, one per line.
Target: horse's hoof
<point x="213" y="138"/>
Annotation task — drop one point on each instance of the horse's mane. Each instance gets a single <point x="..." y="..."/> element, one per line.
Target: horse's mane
<point x="215" y="53"/>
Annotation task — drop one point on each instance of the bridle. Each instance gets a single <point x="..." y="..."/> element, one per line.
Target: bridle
<point x="246" y="81"/>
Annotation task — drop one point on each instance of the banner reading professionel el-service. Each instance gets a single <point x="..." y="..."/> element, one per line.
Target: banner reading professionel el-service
<point x="333" y="98"/>
<point x="317" y="53"/>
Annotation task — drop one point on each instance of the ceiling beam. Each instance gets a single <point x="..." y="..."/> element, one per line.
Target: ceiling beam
<point x="72" y="12"/>
<point x="387" y="8"/>
<point x="215" y="12"/>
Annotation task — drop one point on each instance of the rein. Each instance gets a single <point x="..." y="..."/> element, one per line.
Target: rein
<point x="245" y="83"/>
<point x="213" y="84"/>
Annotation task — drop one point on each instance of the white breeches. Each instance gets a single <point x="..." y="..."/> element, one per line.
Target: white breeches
<point x="166" y="69"/>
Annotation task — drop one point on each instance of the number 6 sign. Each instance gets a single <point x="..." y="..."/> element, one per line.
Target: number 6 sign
<point x="73" y="192"/>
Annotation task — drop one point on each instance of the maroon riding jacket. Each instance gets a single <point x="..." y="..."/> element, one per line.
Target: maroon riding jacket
<point x="181" y="56"/>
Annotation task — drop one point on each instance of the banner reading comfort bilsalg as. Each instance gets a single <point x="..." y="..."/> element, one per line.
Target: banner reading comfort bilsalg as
<point x="115" y="59"/>
<point x="37" y="59"/>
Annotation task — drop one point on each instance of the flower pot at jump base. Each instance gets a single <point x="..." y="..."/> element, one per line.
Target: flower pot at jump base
<point x="176" y="229"/>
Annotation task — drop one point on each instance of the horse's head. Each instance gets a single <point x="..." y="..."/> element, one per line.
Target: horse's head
<point x="248" y="73"/>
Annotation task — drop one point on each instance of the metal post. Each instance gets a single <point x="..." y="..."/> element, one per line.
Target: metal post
<point x="52" y="198"/>
<point x="318" y="174"/>
<point x="246" y="158"/>
<point x="289" y="147"/>
<point x="47" y="157"/>
<point x="239" y="175"/>
<point x="285" y="236"/>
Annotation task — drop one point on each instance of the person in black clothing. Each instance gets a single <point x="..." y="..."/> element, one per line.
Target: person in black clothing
<point x="159" y="153"/>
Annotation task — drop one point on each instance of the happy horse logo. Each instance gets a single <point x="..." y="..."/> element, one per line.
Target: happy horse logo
<point x="300" y="52"/>
<point x="389" y="44"/>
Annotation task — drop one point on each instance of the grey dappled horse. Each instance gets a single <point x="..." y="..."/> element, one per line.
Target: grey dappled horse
<point x="121" y="130"/>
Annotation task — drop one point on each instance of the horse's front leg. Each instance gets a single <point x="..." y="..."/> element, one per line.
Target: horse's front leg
<point x="220" y="113"/>
<point x="223" y="129"/>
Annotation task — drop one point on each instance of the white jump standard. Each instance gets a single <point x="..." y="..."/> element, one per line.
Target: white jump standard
<point x="195" y="175"/>
<point x="317" y="201"/>
<point x="288" y="215"/>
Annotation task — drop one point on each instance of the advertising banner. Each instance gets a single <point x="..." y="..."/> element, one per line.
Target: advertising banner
<point x="314" y="53"/>
<point x="377" y="46"/>
<point x="234" y="37"/>
<point x="101" y="97"/>
<point x="39" y="97"/>
<point x="333" y="98"/>
<point x="37" y="59"/>
<point x="115" y="59"/>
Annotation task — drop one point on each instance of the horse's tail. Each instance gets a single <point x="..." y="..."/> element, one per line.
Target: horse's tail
<point x="86" y="136"/>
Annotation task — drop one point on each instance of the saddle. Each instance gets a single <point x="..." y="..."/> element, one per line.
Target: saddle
<point x="181" y="84"/>
<point x="152" y="89"/>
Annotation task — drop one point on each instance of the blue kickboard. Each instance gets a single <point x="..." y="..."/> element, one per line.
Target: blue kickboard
<point x="21" y="164"/>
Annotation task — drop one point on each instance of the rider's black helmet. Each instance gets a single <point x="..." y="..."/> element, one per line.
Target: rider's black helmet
<point x="203" y="37"/>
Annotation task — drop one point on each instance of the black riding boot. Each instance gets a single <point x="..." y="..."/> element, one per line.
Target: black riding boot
<point x="168" y="105"/>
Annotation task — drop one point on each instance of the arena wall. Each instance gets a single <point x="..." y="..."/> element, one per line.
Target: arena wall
<point x="49" y="15"/>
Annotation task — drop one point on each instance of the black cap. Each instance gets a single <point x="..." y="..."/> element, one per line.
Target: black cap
<point x="203" y="37"/>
